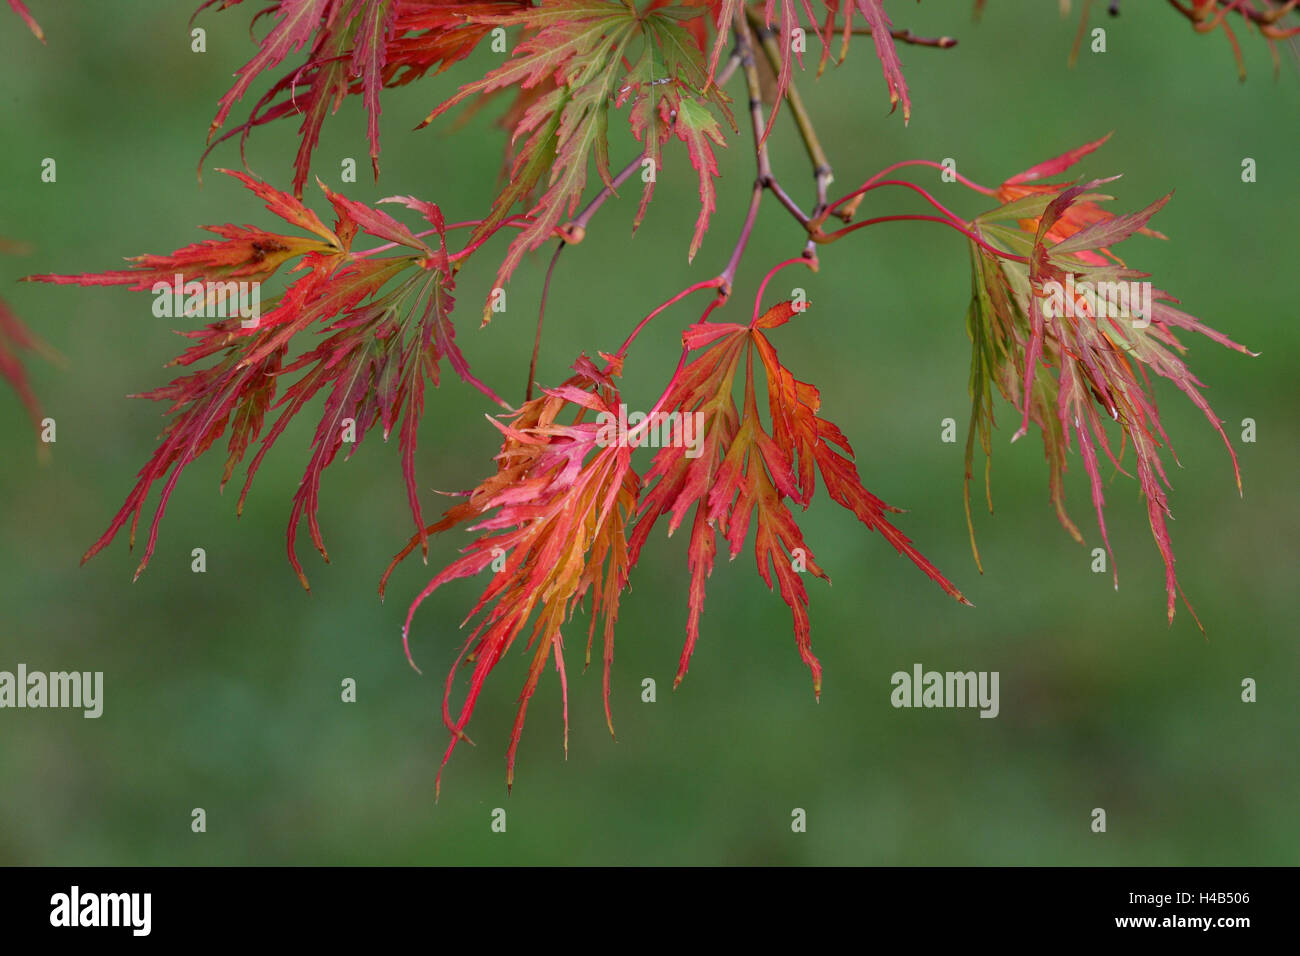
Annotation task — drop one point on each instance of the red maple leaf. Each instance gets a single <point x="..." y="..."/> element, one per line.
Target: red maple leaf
<point x="387" y="324"/>
<point x="1059" y="368"/>
<point x="744" y="473"/>
<point x="562" y="499"/>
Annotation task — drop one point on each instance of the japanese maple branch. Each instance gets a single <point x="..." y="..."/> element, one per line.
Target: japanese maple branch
<point x="822" y="174"/>
<point x="743" y="57"/>
<point x="765" y="179"/>
<point x="575" y="229"/>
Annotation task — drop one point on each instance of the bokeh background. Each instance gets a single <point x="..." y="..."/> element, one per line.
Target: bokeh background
<point x="223" y="688"/>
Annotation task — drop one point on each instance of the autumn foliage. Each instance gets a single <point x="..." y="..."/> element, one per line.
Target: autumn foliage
<point x="363" y="323"/>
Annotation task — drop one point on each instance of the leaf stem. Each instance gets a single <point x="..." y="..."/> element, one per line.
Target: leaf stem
<point x="824" y="238"/>
<point x="714" y="283"/>
<point x="541" y="314"/>
<point x="907" y="184"/>
<point x="727" y="277"/>
<point x="810" y="262"/>
<point x="854" y="198"/>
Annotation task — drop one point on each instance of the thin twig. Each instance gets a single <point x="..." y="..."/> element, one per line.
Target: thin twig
<point x="903" y="36"/>
<point x="728" y="70"/>
<point x="822" y="174"/>
<point x="574" y="230"/>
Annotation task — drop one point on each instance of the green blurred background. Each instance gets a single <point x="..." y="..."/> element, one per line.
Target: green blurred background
<point x="222" y="689"/>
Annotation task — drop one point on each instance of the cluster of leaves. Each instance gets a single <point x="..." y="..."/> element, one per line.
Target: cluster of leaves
<point x="563" y="501"/>
<point x="572" y="62"/>
<point x="565" y="517"/>
<point x="564" y="496"/>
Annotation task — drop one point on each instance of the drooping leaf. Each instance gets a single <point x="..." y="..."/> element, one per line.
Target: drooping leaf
<point x="386" y="327"/>
<point x="744" y="473"/>
<point x="561" y="498"/>
<point x="1061" y="366"/>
